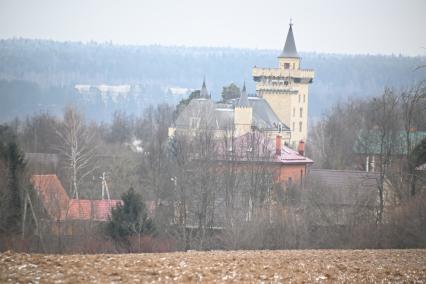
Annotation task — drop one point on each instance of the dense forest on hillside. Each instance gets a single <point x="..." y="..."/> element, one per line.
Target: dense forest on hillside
<point x="40" y="75"/>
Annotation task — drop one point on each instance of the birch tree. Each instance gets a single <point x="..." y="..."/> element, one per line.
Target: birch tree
<point x="76" y="147"/>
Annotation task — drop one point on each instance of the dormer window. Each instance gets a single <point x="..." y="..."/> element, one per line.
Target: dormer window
<point x="194" y="122"/>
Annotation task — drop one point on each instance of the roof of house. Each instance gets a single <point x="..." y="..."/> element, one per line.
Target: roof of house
<point x="263" y="115"/>
<point x="60" y="207"/>
<point x="201" y="109"/>
<point x="85" y="209"/>
<point x="290" y="156"/>
<point x="349" y="187"/>
<point x="289" y="49"/>
<point x="221" y="115"/>
<point x="258" y="147"/>
<point x="52" y="194"/>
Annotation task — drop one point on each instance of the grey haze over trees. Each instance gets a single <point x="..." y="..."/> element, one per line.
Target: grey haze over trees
<point x="40" y="75"/>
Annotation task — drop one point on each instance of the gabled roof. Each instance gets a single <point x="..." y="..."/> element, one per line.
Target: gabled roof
<point x="349" y="187"/>
<point x="290" y="156"/>
<point x="202" y="109"/>
<point x="257" y="147"/>
<point x="84" y="209"/>
<point x="221" y="116"/>
<point x="60" y="207"/>
<point x="263" y="115"/>
<point x="52" y="195"/>
<point x="290" y="46"/>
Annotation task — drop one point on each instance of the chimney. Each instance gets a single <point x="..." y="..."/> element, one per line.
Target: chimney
<point x="278" y="145"/>
<point x="301" y="148"/>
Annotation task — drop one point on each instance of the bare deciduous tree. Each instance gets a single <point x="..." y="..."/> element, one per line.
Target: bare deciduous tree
<point x="76" y="147"/>
<point x="411" y="109"/>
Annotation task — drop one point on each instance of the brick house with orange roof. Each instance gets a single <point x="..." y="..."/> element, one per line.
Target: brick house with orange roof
<point x="59" y="208"/>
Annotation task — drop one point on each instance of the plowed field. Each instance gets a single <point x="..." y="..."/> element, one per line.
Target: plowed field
<point x="350" y="266"/>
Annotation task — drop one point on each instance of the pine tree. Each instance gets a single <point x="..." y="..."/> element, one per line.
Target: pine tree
<point x="129" y="218"/>
<point x="11" y="203"/>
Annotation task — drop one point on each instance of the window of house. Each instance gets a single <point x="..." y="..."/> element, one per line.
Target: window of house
<point x="294" y="112"/>
<point x="301" y="112"/>
<point x="294" y="126"/>
<point x="286" y="65"/>
<point x="293" y="66"/>
<point x="303" y="97"/>
<point x="300" y="126"/>
<point x="299" y="98"/>
<point x="194" y="122"/>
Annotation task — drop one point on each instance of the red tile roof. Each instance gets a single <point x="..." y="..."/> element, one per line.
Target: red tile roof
<point x="52" y="195"/>
<point x="79" y="209"/>
<point x="60" y="207"/>
<point x="257" y="147"/>
<point x="102" y="208"/>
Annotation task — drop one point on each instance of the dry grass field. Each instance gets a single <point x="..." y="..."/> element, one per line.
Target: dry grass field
<point x="349" y="266"/>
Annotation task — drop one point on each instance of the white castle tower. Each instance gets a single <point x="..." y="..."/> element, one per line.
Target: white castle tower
<point x="286" y="89"/>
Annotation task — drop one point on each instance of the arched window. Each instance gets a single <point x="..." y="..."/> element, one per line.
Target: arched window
<point x="303" y="97"/>
<point x="294" y="112"/>
<point x="300" y="126"/>
<point x="301" y="112"/>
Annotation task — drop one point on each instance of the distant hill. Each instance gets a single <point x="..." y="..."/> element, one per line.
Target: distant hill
<point x="38" y="75"/>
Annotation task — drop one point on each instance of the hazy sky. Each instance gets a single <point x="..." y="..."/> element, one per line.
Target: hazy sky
<point x="333" y="26"/>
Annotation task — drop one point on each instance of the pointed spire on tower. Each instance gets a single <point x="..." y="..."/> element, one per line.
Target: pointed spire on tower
<point x="203" y="92"/>
<point x="290" y="46"/>
<point x="243" y="101"/>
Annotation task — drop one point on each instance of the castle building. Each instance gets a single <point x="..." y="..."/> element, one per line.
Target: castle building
<point x="279" y="107"/>
<point x="234" y="117"/>
<point x="286" y="89"/>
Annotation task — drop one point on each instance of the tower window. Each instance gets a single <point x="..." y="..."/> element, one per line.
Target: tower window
<point x="294" y="112"/>
<point x="286" y="65"/>
<point x="300" y="126"/>
<point x="301" y="112"/>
